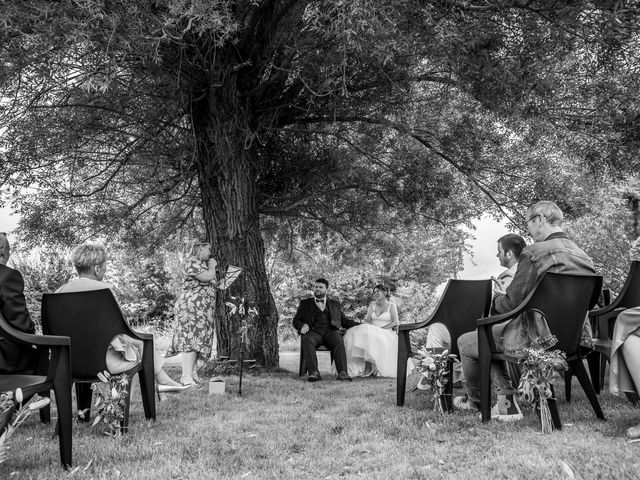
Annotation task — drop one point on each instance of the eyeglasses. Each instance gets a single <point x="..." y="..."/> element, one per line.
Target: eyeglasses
<point x="526" y="223"/>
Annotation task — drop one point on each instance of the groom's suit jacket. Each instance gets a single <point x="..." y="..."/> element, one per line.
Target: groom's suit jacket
<point x="307" y="313"/>
<point x="14" y="357"/>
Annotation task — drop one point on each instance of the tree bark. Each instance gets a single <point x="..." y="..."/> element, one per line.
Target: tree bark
<point x="225" y="161"/>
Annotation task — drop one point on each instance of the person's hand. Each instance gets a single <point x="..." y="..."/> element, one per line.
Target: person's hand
<point x="304" y="329"/>
<point x="212" y="263"/>
<point x="498" y="287"/>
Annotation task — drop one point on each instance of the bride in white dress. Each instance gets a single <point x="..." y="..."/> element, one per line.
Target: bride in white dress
<point x="372" y="347"/>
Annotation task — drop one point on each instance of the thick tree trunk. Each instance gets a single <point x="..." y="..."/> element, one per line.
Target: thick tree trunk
<point x="227" y="184"/>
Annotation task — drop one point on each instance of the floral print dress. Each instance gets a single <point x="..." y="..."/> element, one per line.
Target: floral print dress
<point x="193" y="313"/>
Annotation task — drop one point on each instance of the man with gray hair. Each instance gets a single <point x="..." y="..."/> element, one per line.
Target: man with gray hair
<point x="14" y="357"/>
<point x="552" y="251"/>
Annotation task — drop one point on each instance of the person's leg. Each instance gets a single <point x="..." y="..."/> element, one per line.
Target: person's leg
<point x="631" y="355"/>
<point x="468" y="347"/>
<point x="310" y="342"/>
<point x="333" y="339"/>
<point x="187" y="360"/>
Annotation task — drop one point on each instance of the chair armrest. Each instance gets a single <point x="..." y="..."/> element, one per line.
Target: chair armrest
<point x="141" y="335"/>
<point x="493" y="319"/>
<point x="605" y="313"/>
<point x="597" y="312"/>
<point x="404" y="327"/>
<point x="7" y="330"/>
<point x="42" y="340"/>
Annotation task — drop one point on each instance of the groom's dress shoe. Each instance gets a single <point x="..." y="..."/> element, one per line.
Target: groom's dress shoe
<point x="314" y="377"/>
<point x="342" y="376"/>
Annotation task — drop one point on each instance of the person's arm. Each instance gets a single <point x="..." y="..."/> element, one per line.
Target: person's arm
<point x="298" y="323"/>
<point x="369" y="311"/>
<point x="393" y="311"/>
<point x="523" y="282"/>
<point x="208" y="275"/>
<point x="15" y="305"/>
<point x="346" y="322"/>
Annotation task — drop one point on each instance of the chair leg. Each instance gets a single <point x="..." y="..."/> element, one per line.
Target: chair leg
<point x="484" y="364"/>
<point x="124" y="424"/>
<point x="578" y="369"/>
<point x="62" y="391"/>
<point x="148" y="393"/>
<point x="404" y="348"/>
<point x="633" y="398"/>
<point x="593" y="361"/>
<point x="602" y="370"/>
<point x="514" y="373"/>
<point x="568" y="378"/>
<point x="83" y="400"/>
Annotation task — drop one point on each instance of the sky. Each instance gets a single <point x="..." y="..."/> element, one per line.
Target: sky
<point x="481" y="264"/>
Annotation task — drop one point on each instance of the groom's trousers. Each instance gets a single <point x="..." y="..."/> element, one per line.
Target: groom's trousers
<point x="332" y="339"/>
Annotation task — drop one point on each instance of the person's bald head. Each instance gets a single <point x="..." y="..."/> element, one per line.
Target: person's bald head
<point x="4" y="248"/>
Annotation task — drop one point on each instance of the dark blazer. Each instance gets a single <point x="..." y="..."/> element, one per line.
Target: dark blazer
<point x="307" y="311"/>
<point x="14" y="357"/>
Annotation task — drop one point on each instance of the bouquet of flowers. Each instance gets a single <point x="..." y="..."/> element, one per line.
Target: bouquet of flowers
<point x="434" y="370"/>
<point x="9" y="404"/>
<point x="111" y="395"/>
<point x="540" y="368"/>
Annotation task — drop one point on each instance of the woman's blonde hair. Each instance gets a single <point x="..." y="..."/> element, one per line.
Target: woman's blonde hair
<point x="196" y="248"/>
<point x="85" y="256"/>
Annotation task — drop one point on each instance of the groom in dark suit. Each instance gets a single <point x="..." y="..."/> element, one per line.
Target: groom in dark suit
<point x="319" y="320"/>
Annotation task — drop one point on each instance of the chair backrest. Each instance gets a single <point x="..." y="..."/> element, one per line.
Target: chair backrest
<point x="564" y="300"/>
<point x="630" y="294"/>
<point x="91" y="319"/>
<point x="461" y="305"/>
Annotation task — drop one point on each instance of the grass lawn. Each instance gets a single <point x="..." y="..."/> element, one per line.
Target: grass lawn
<point x="284" y="427"/>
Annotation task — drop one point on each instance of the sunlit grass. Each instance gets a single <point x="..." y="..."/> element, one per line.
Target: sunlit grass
<point x="284" y="427"/>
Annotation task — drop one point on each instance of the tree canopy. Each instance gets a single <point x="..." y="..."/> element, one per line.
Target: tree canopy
<point x="221" y="118"/>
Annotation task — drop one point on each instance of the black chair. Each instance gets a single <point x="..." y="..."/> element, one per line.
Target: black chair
<point x="564" y="300"/>
<point x="461" y="304"/>
<point x="302" y="369"/>
<point x="54" y="359"/>
<point x="603" y="321"/>
<point x="91" y="319"/>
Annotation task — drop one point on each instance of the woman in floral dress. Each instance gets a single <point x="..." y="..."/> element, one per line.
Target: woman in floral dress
<point x="194" y="309"/>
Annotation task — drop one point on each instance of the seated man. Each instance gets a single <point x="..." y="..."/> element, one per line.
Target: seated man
<point x="318" y="320"/>
<point x="509" y="249"/>
<point x="552" y="251"/>
<point x="14" y="357"/>
<point x="124" y="352"/>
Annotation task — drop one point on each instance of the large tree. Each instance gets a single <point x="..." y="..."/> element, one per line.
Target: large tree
<point x="146" y="113"/>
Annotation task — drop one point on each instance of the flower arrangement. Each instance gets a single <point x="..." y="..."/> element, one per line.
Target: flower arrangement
<point x="434" y="371"/>
<point x="535" y="389"/>
<point x="11" y="403"/>
<point x="111" y="396"/>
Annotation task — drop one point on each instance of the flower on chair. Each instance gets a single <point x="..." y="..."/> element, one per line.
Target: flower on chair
<point x="111" y="396"/>
<point x="540" y="368"/>
<point x="434" y="371"/>
<point x="11" y="403"/>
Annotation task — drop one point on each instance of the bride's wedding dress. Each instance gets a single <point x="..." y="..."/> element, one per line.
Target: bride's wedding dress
<point x="371" y="349"/>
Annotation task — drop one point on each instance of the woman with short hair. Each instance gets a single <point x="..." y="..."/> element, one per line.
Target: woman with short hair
<point x="124" y="352"/>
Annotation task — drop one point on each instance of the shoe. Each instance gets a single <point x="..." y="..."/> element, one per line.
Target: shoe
<point x="160" y="388"/>
<point x="494" y="412"/>
<point x="508" y="409"/>
<point x="634" y="432"/>
<point x="187" y="380"/>
<point x="314" y="377"/>
<point x="463" y="402"/>
<point x="343" y="377"/>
